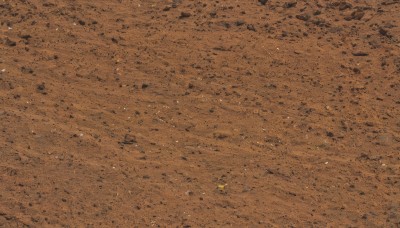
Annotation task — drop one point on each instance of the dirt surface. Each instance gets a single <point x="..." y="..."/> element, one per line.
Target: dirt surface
<point x="188" y="113"/>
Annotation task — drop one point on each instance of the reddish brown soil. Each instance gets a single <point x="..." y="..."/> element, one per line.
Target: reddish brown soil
<point x="199" y="113"/>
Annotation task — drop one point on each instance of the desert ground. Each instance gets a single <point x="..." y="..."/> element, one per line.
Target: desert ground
<point x="189" y="113"/>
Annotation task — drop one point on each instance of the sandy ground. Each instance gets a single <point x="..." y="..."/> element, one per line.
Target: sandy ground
<point x="188" y="113"/>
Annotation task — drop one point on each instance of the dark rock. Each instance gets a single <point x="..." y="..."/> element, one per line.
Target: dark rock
<point x="115" y="41"/>
<point x="364" y="156"/>
<point x="329" y="134"/>
<point x="239" y="22"/>
<point x="144" y="86"/>
<point x="360" y="53"/>
<point x="384" y="32"/>
<point x="251" y="27"/>
<point x="263" y="2"/>
<point x="356" y="15"/>
<point x="175" y="3"/>
<point x="344" y="6"/>
<point x="303" y="17"/>
<point x="41" y="88"/>
<point x="289" y="4"/>
<point x="185" y="15"/>
<point x="26" y="37"/>
<point x="317" y="12"/>
<point x="225" y="24"/>
<point x="26" y="70"/>
<point x="220" y="135"/>
<point x="9" y="42"/>
<point x="213" y="14"/>
<point x="129" y="139"/>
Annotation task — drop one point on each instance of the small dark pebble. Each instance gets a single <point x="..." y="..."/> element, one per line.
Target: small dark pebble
<point x="26" y="37"/>
<point x="185" y="15"/>
<point x="360" y="53"/>
<point x="329" y="134"/>
<point x="10" y="43"/>
<point x="41" y="88"/>
<point x="318" y="12"/>
<point x="226" y="24"/>
<point x="303" y="17"/>
<point x="290" y="4"/>
<point x="129" y="139"/>
<point x="356" y="15"/>
<point x="175" y="3"/>
<point x="356" y="70"/>
<point x="26" y="70"/>
<point x="344" y="6"/>
<point x="383" y="32"/>
<point x="144" y="86"/>
<point x="239" y="22"/>
<point x="213" y="14"/>
<point x="115" y="41"/>
<point x="251" y="27"/>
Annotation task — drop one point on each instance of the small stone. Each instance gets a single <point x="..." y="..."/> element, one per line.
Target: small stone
<point x="41" y="88"/>
<point x="10" y="43"/>
<point x="384" y="139"/>
<point x="251" y="27"/>
<point x="185" y="15"/>
<point x="175" y="3"/>
<point x="263" y="2"/>
<point x="226" y="24"/>
<point x="356" y="70"/>
<point x="26" y="70"/>
<point x="329" y="134"/>
<point x="129" y="139"/>
<point x="383" y="32"/>
<point x="289" y="4"/>
<point x="303" y="17"/>
<point x="360" y="53"/>
<point x="317" y="12"/>
<point x="357" y="15"/>
<point x="239" y="22"/>
<point x="344" y="6"/>
<point x="213" y="14"/>
<point x="145" y="85"/>
<point x="26" y="37"/>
